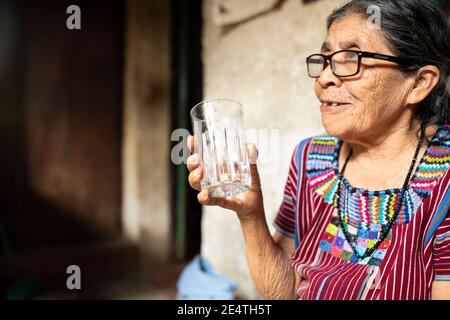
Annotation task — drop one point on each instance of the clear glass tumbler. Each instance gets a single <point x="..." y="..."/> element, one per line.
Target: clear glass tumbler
<point x="220" y="141"/>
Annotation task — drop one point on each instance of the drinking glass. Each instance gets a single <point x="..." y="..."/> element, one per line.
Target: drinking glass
<point x="220" y="141"/>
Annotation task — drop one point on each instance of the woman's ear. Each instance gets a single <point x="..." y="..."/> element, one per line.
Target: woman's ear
<point x="426" y="79"/>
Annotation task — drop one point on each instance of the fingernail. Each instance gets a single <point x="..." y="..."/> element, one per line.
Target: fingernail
<point x="252" y="154"/>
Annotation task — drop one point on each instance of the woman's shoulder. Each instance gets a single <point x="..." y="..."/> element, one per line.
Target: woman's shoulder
<point x="320" y="147"/>
<point x="317" y="140"/>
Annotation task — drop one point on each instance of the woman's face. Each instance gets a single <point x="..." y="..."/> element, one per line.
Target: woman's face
<point x="374" y="98"/>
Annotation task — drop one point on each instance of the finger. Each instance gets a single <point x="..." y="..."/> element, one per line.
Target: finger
<point x="256" y="182"/>
<point x="205" y="198"/>
<point x="193" y="161"/>
<point x="191" y="143"/>
<point x="195" y="177"/>
<point x="233" y="203"/>
<point x="230" y="203"/>
<point x="252" y="152"/>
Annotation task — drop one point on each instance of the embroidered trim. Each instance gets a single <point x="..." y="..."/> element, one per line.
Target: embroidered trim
<point x="370" y="210"/>
<point x="377" y="206"/>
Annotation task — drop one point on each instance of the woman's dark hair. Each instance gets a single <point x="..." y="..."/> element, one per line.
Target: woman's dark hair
<point x="419" y="31"/>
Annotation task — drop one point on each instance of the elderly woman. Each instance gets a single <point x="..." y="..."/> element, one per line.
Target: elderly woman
<point x="365" y="212"/>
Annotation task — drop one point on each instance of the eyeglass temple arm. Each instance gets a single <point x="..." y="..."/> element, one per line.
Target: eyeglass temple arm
<point x="383" y="57"/>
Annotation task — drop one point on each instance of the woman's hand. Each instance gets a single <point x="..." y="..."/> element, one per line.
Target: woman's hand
<point x="246" y="204"/>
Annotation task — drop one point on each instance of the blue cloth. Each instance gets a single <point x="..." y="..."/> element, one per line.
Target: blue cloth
<point x="198" y="281"/>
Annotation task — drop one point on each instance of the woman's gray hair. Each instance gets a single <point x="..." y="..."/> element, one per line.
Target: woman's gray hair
<point x="419" y="31"/>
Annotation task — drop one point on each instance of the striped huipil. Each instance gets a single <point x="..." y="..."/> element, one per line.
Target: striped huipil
<point x="414" y="254"/>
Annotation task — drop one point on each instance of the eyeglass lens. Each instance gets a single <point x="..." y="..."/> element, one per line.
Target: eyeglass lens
<point x="344" y="63"/>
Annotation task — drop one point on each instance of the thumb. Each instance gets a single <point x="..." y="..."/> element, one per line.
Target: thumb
<point x="252" y="152"/>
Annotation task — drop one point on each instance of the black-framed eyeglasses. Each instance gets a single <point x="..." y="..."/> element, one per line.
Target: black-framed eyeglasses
<point x="344" y="63"/>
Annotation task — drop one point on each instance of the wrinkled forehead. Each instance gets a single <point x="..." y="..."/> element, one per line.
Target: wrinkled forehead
<point x="346" y="40"/>
<point x="353" y="31"/>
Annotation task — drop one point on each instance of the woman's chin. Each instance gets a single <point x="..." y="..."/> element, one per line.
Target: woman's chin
<point x="334" y="128"/>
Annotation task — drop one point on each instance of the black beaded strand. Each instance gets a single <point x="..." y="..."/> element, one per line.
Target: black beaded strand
<point x="386" y="228"/>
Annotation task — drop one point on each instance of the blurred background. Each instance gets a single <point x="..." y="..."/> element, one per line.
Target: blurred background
<point x="86" y="117"/>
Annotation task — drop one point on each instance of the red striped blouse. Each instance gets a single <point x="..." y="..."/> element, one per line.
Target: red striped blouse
<point x="415" y="253"/>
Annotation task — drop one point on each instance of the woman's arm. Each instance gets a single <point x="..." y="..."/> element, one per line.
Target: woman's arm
<point x="440" y="290"/>
<point x="268" y="259"/>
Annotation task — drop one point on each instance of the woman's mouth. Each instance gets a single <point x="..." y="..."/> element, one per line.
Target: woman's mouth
<point x="332" y="106"/>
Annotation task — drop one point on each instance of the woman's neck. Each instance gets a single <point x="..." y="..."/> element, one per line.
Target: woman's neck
<point x="381" y="161"/>
<point x="390" y="145"/>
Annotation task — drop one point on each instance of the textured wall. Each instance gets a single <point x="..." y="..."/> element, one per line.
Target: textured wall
<point x="260" y="62"/>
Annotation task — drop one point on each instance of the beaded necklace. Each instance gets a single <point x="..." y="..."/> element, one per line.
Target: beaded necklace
<point x="385" y="228"/>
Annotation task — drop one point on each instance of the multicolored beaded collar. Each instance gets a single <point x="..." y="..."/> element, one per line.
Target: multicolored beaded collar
<point x="375" y="207"/>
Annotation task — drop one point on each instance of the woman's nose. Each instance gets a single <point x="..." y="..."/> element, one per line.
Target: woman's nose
<point x="327" y="77"/>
